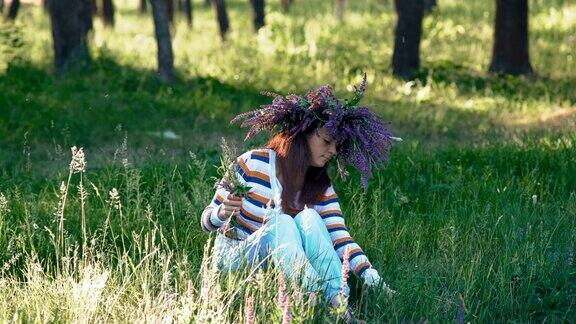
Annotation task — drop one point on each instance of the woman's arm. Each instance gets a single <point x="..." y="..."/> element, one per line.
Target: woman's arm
<point x="329" y="210"/>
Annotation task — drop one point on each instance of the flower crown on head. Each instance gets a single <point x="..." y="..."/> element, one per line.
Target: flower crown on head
<point x="363" y="137"/>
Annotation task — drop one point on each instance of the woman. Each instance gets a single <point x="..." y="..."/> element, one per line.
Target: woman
<point x="291" y="214"/>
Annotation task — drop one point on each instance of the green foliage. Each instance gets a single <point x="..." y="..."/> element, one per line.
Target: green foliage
<point x="478" y="202"/>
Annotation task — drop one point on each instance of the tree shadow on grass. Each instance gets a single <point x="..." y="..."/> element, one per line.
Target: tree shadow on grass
<point x="538" y="87"/>
<point x="43" y="115"/>
<point x="90" y="104"/>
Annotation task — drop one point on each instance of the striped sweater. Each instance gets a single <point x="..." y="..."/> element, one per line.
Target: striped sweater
<point x="257" y="169"/>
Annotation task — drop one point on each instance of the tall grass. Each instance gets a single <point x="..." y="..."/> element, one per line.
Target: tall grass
<point x="473" y="218"/>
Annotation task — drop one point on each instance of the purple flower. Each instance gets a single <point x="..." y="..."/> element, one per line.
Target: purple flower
<point x="363" y="138"/>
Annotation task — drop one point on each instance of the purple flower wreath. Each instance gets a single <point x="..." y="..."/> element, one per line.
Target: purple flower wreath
<point x="363" y="138"/>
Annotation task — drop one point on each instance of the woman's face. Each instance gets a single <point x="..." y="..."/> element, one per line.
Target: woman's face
<point x="322" y="147"/>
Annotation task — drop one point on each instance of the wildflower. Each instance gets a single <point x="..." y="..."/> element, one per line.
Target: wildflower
<point x="287" y="311"/>
<point x="534" y="200"/>
<point x="78" y="163"/>
<point x="363" y="138"/>
<point x="62" y="194"/>
<point x="281" y="290"/>
<point x="250" y="310"/>
<point x="4" y="209"/>
<point x="345" y="270"/>
<point x="115" y="199"/>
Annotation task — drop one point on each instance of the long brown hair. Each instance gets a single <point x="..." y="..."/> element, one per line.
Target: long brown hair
<point x="293" y="157"/>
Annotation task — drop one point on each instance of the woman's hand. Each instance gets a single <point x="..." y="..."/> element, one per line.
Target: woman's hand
<point x="372" y="279"/>
<point x="230" y="207"/>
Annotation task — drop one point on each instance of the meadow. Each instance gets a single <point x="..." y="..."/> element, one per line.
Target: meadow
<point x="472" y="219"/>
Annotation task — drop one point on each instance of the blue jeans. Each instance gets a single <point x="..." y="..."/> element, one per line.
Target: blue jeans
<point x="301" y="247"/>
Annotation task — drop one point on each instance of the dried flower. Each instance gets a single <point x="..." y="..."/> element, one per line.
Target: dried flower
<point x="78" y="163"/>
<point x="287" y="311"/>
<point x="363" y="138"/>
<point x="250" y="310"/>
<point x="281" y="290"/>
<point x="4" y="209"/>
<point x="115" y="199"/>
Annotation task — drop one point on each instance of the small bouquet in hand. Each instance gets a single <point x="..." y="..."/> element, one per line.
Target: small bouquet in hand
<point x="229" y="180"/>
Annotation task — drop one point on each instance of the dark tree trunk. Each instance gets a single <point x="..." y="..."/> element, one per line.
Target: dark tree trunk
<point x="143" y="6"/>
<point x="163" y="40"/>
<point x="406" y="57"/>
<point x="187" y="10"/>
<point x="258" y="14"/>
<point x="222" y="16"/>
<point x="208" y="3"/>
<point x="286" y="5"/>
<point x="13" y="9"/>
<point x="510" y="51"/>
<point x="170" y="10"/>
<point x="108" y="12"/>
<point x="1" y="6"/>
<point x="429" y="5"/>
<point x="339" y="9"/>
<point x="71" y="20"/>
<point x="93" y="7"/>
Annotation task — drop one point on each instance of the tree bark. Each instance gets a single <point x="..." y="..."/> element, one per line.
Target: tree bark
<point x="163" y="41"/>
<point x="222" y="16"/>
<point x="258" y="14"/>
<point x="13" y="9"/>
<point x="187" y="10"/>
<point x="93" y="7"/>
<point x="1" y="6"/>
<point x="170" y="10"/>
<point x="71" y="20"/>
<point x="108" y="12"/>
<point x="510" y="51"/>
<point x="406" y="57"/>
<point x="339" y="9"/>
<point x="429" y="5"/>
<point x="143" y="6"/>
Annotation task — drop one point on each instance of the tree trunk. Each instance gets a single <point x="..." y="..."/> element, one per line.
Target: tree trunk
<point x="143" y="6"/>
<point x="108" y="12"/>
<point x="71" y="20"/>
<point x="1" y="6"/>
<point x="510" y="51"/>
<point x="406" y="57"/>
<point x="163" y="40"/>
<point x="170" y="10"/>
<point x="93" y="7"/>
<point x="13" y="9"/>
<point x="339" y="9"/>
<point x="187" y="10"/>
<point x="258" y="14"/>
<point x="222" y="16"/>
<point x="429" y="5"/>
<point x="286" y="5"/>
<point x="208" y="3"/>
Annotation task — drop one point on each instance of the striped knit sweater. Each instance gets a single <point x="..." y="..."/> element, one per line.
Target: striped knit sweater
<point x="257" y="169"/>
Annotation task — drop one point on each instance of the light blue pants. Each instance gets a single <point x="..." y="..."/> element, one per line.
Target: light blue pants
<point x="299" y="246"/>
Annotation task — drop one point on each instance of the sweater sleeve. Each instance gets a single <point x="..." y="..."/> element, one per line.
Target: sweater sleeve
<point x="329" y="210"/>
<point x="209" y="219"/>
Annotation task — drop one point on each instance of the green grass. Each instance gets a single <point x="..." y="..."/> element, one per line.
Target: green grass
<point x="478" y="202"/>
